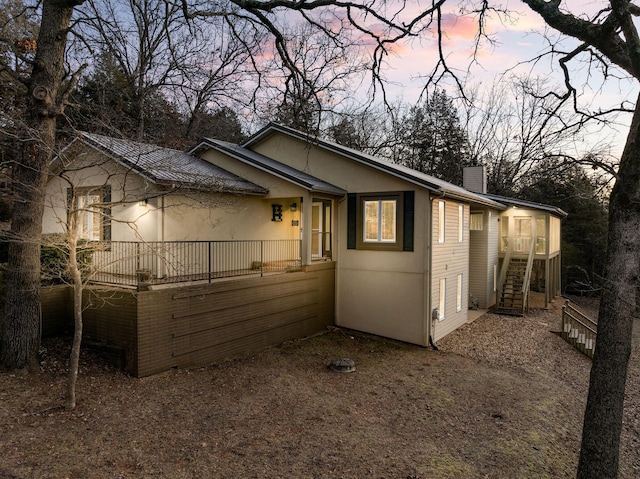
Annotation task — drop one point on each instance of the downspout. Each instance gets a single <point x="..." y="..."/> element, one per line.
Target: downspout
<point x="336" y="237"/>
<point x="162" y="218"/>
<point x="429" y="312"/>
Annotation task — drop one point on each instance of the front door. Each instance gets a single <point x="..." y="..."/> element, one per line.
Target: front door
<point x="522" y="234"/>
<point x="316" y="230"/>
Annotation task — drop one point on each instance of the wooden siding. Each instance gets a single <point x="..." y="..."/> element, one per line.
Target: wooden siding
<point x="483" y="255"/>
<point x="198" y="325"/>
<point x="191" y="326"/>
<point x="479" y="261"/>
<point x="56" y="304"/>
<point x="448" y="260"/>
<point x="110" y="317"/>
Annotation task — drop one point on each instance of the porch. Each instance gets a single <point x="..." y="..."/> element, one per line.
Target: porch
<point x="191" y="325"/>
<point x="529" y="258"/>
<point x="141" y="264"/>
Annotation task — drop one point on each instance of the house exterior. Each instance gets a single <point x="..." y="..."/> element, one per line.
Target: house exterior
<point x="399" y="238"/>
<point x="407" y="252"/>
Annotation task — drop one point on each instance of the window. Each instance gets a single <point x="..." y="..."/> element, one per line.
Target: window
<point x="93" y="217"/>
<point x="89" y="217"/>
<point x="541" y="235"/>
<point x="475" y="221"/>
<point x="441" y="208"/>
<point x="380" y="221"/>
<point x="459" y="294"/>
<point x="443" y="299"/>
<point x="460" y="223"/>
<point x="504" y="244"/>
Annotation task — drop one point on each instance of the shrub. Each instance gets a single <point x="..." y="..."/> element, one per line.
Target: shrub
<point x="54" y="258"/>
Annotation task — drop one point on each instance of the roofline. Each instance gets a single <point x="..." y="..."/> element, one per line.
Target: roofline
<point x="531" y="204"/>
<point x="247" y="160"/>
<point x="182" y="186"/>
<point x="378" y="165"/>
<point x="118" y="158"/>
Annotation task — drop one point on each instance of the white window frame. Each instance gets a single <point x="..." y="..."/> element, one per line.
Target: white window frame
<point x="442" y="303"/>
<point x="459" y="294"/>
<point x="380" y="221"/>
<point x="460" y="223"/>
<point x="89" y="218"/>
<point x="441" y="221"/>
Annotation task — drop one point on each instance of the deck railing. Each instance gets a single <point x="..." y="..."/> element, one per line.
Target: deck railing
<point x="156" y="262"/>
<point x="579" y="330"/>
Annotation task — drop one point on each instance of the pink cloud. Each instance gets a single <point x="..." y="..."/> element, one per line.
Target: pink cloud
<point x="456" y="26"/>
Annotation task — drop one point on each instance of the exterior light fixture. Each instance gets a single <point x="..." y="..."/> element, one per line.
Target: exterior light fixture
<point x="293" y="207"/>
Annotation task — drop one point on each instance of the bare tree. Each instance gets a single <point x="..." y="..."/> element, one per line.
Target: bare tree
<point x="47" y="95"/>
<point x="327" y="70"/>
<point x="609" y="40"/>
<point x="89" y="194"/>
<point x="147" y="40"/>
<point x="45" y="99"/>
<point x="515" y="125"/>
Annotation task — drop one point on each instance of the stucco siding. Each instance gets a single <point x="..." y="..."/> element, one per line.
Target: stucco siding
<point x="328" y="166"/>
<point x="91" y="169"/>
<point x="386" y="303"/>
<point x="278" y="187"/>
<point x="384" y="292"/>
<point x="449" y="259"/>
<point x="227" y="218"/>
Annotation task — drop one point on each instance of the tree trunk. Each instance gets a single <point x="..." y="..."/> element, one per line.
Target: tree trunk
<point x="74" y="358"/>
<point x="20" y="339"/>
<point x="599" y="454"/>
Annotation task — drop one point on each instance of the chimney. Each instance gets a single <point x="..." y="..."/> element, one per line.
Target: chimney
<point x="474" y="178"/>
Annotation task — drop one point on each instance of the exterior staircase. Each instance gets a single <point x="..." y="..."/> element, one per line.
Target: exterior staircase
<point x="512" y="297"/>
<point x="578" y="329"/>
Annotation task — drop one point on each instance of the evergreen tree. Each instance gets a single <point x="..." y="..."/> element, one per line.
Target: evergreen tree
<point x="434" y="142"/>
<point x="300" y="110"/>
<point x="106" y="102"/>
<point x="222" y="124"/>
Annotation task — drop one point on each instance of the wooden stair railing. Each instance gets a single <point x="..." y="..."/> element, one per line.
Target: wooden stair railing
<point x="511" y="298"/>
<point x="515" y="281"/>
<point x="578" y="329"/>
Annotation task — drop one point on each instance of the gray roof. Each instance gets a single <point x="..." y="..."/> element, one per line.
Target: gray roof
<point x="528" y="204"/>
<point x="431" y="183"/>
<point x="168" y="167"/>
<point x="272" y="166"/>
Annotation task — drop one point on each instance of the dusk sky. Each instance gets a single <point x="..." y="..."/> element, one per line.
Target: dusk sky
<point x="517" y="42"/>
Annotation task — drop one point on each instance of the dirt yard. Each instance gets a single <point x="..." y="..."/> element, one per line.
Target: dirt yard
<point x="502" y="398"/>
